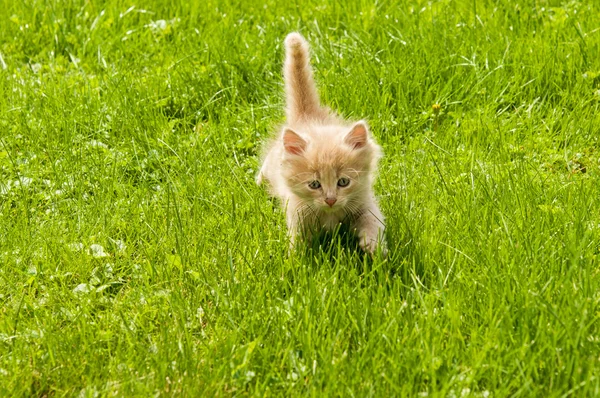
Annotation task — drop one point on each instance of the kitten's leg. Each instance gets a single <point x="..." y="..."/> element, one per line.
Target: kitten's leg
<point x="292" y="229"/>
<point x="294" y="222"/>
<point x="370" y="229"/>
<point x="261" y="174"/>
<point x="298" y="222"/>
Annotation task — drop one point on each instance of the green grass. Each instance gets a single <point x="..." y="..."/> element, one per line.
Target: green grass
<point x="135" y="125"/>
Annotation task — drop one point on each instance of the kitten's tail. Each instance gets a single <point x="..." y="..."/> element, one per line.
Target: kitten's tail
<point x="302" y="99"/>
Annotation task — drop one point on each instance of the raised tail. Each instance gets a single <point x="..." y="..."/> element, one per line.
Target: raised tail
<point x="302" y="98"/>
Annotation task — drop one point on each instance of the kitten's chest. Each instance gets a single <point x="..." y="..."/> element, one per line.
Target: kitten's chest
<point x="330" y="221"/>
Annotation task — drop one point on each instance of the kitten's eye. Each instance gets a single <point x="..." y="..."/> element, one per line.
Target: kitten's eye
<point x="314" y="184"/>
<point x="343" y="182"/>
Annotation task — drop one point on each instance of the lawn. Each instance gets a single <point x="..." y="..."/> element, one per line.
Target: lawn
<point x="139" y="258"/>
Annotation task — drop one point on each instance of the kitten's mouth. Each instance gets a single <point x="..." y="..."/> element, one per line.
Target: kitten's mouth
<point x="330" y="209"/>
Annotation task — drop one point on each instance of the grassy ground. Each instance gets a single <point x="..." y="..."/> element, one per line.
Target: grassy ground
<point x="137" y="256"/>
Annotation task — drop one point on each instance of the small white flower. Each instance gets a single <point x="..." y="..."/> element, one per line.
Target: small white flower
<point x="159" y="25"/>
<point x="108" y="270"/>
<point x="82" y="288"/>
<point x="97" y="251"/>
<point x="200" y="313"/>
<point x="23" y="181"/>
<point x="120" y="245"/>
<point x="97" y="144"/>
<point x="5" y="188"/>
<point x="76" y="247"/>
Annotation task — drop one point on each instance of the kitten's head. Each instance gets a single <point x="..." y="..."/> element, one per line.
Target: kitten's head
<point x="330" y="168"/>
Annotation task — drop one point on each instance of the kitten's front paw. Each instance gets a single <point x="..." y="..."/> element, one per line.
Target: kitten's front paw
<point x="370" y="242"/>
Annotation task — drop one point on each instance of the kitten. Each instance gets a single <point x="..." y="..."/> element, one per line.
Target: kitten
<point x="321" y="167"/>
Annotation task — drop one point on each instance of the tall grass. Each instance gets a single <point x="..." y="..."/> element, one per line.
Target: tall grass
<point x="137" y="256"/>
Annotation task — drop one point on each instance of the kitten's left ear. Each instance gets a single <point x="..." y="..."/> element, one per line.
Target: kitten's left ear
<point x="293" y="143"/>
<point x="359" y="135"/>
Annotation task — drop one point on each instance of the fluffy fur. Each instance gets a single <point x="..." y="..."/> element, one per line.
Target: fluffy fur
<point x="320" y="166"/>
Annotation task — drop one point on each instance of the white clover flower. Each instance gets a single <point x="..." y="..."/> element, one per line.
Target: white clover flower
<point x="97" y="251"/>
<point x="97" y="144"/>
<point x="23" y="181"/>
<point x="120" y="245"/>
<point x="76" y="246"/>
<point x="159" y="25"/>
<point x="5" y="188"/>
<point x="82" y="288"/>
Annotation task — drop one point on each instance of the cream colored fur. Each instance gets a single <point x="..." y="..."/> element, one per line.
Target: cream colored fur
<point x="315" y="145"/>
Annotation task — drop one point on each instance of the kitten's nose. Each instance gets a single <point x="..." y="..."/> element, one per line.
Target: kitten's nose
<point x="330" y="201"/>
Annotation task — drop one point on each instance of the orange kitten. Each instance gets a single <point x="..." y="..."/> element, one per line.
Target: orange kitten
<point x="320" y="166"/>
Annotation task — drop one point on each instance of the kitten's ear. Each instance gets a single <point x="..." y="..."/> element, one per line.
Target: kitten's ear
<point x="293" y="143"/>
<point x="359" y="135"/>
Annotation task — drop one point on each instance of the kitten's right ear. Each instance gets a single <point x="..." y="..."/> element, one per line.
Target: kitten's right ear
<point x="358" y="137"/>
<point x="293" y="143"/>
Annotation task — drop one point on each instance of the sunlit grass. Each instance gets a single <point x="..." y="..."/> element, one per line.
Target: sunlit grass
<point x="138" y="257"/>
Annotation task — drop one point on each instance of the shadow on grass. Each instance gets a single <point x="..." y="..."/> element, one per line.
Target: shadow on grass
<point x="402" y="264"/>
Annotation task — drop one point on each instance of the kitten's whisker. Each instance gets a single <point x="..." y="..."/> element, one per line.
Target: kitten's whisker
<point x="357" y="171"/>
